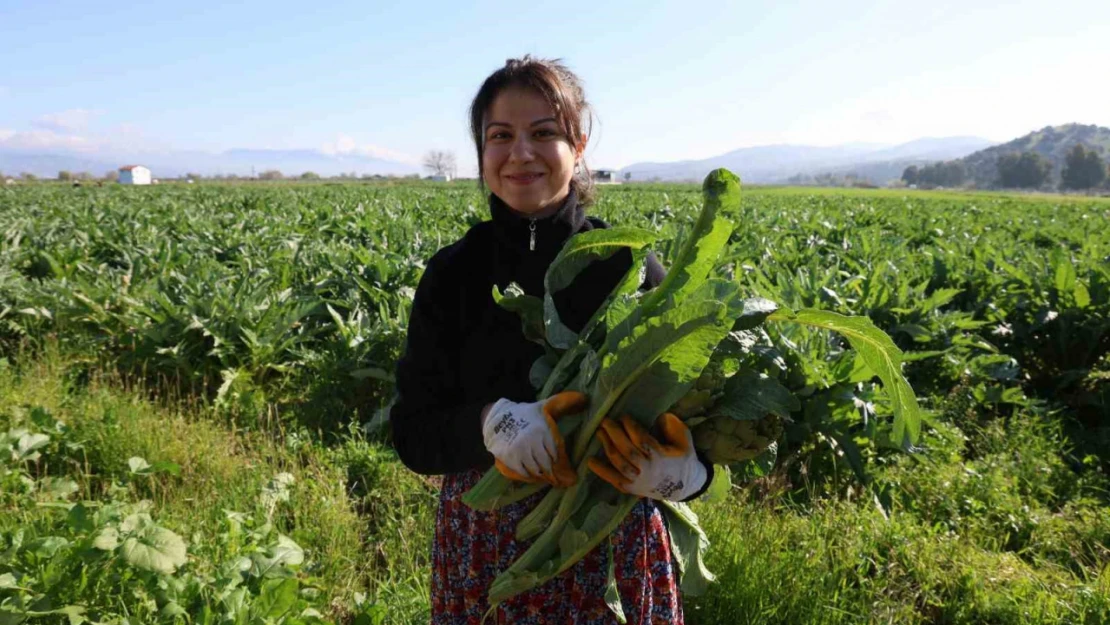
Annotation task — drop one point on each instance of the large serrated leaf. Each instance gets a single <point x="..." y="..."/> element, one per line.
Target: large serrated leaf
<point x="881" y="355"/>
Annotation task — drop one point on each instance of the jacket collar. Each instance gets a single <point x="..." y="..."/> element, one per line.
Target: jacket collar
<point x="515" y="229"/>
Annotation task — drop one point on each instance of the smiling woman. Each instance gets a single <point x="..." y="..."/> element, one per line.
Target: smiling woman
<point x="465" y="398"/>
<point x="530" y="123"/>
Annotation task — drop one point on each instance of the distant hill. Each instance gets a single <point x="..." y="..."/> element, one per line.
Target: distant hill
<point x="777" y="163"/>
<point x="1051" y="142"/>
<point x="240" y="162"/>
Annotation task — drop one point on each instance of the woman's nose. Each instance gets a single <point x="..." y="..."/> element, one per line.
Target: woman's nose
<point x="522" y="150"/>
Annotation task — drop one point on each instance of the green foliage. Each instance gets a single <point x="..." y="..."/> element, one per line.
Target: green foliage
<point x="941" y="174"/>
<point x="286" y="304"/>
<point x="1083" y="169"/>
<point x="1028" y="170"/>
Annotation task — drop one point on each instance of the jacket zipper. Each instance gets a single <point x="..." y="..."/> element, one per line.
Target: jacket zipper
<point x="532" y="235"/>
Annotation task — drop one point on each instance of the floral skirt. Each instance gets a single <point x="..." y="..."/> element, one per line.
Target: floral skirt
<point x="471" y="547"/>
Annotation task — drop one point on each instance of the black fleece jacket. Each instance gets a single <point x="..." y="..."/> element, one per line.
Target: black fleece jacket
<point x="463" y="351"/>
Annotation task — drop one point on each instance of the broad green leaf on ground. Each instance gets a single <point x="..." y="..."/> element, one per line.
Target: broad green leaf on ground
<point x="154" y="548"/>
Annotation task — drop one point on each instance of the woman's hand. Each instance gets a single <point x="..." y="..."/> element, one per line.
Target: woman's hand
<point x="640" y="465"/>
<point x="525" y="441"/>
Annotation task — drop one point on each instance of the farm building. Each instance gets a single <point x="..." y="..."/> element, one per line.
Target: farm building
<point x="606" y="176"/>
<point x="134" y="174"/>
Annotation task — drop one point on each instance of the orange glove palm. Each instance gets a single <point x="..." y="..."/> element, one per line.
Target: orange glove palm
<point x="639" y="464"/>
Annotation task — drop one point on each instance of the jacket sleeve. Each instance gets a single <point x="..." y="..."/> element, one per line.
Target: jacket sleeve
<point x="434" y="431"/>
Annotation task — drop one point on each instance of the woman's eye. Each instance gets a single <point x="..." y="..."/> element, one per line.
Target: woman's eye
<point x="499" y="135"/>
<point x="545" y="132"/>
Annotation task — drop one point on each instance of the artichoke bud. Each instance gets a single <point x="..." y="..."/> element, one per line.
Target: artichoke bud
<point x="725" y="440"/>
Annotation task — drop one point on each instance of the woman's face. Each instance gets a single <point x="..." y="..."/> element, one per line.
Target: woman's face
<point x="527" y="160"/>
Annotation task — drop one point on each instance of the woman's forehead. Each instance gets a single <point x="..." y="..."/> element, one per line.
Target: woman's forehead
<point x="518" y="105"/>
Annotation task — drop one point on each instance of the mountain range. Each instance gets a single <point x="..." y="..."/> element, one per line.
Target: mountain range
<point x="1051" y="142"/>
<point x="779" y="163"/>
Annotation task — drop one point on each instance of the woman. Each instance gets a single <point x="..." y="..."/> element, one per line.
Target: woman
<point x="465" y="400"/>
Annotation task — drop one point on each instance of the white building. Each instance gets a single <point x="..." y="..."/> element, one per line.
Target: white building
<point x="134" y="174"/>
<point x="605" y="176"/>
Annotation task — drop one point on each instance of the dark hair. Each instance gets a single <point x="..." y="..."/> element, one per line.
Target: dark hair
<point x="563" y="91"/>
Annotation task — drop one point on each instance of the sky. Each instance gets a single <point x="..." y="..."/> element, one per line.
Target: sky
<point x="668" y="81"/>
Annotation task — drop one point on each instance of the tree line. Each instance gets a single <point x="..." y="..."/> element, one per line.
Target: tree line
<point x="1083" y="170"/>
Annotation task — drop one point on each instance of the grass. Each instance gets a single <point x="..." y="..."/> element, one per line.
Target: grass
<point x="362" y="519"/>
<point x="999" y="527"/>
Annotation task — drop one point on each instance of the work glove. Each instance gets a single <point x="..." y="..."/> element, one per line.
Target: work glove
<point x="638" y="464"/>
<point x="525" y="441"/>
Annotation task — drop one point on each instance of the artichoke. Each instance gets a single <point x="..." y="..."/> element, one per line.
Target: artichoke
<point x="725" y="440"/>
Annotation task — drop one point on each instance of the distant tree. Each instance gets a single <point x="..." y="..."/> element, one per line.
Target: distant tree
<point x="84" y="176"/>
<point x="270" y="174"/>
<point x="310" y="175"/>
<point x="28" y="176"/>
<point x="111" y="176"/>
<point x="193" y="176"/>
<point x="941" y="174"/>
<point x="1027" y="170"/>
<point x="440" y="163"/>
<point x="627" y="176"/>
<point x="1083" y="169"/>
<point x="65" y="176"/>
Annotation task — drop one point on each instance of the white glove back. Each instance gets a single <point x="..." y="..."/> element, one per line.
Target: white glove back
<point x="518" y="436"/>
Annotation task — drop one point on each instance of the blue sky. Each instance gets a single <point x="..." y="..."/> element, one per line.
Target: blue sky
<point x="668" y="80"/>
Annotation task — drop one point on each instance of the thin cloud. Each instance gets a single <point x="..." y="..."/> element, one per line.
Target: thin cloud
<point x="46" y="140"/>
<point x="69" y="120"/>
<point x="345" y="145"/>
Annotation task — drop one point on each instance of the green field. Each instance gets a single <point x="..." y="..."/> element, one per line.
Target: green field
<point x="193" y="376"/>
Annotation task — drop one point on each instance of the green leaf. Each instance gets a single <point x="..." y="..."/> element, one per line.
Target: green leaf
<point x="753" y="312"/>
<point x="751" y="395"/>
<point x="528" y="307"/>
<point x="154" y="548"/>
<point x="1081" y="295"/>
<point x="373" y="373"/>
<point x="881" y="355"/>
<point x="702" y="249"/>
<point x="276" y="598"/>
<point x="688" y="544"/>
<point x="28" y="444"/>
<point x="612" y="592"/>
<point x="47" y="546"/>
<point x="721" y="485"/>
<point x="138" y="465"/>
<point x="590" y="246"/>
<point x="107" y="539"/>
<point x="286" y="552"/>
<point x="1065" y="277"/>
<point x="579" y="251"/>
